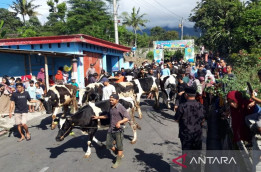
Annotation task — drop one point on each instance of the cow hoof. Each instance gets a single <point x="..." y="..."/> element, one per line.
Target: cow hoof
<point x="133" y="142"/>
<point x="53" y="126"/>
<point x="87" y="156"/>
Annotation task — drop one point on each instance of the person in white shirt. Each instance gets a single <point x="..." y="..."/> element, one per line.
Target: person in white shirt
<point x="107" y="90"/>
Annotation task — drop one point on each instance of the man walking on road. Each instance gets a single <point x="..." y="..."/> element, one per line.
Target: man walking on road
<point x="19" y="101"/>
<point x="118" y="115"/>
<point x="190" y="116"/>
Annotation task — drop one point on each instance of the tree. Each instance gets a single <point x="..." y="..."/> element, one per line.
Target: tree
<point x="135" y="20"/>
<point x="11" y="22"/>
<point x="90" y="17"/>
<point x="25" y="8"/>
<point x="249" y="30"/>
<point x="56" y="23"/>
<point x="171" y="35"/>
<point x="217" y="20"/>
<point x="3" y="32"/>
<point x="157" y="33"/>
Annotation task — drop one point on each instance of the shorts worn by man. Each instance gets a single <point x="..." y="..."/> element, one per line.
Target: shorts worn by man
<point x="19" y="100"/>
<point x="118" y="115"/>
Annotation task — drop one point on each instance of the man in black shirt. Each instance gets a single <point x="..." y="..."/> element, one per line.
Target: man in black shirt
<point x="181" y="89"/>
<point x="19" y="100"/>
<point x="190" y="116"/>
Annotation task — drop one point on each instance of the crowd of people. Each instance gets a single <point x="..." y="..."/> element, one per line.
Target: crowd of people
<point x="191" y="102"/>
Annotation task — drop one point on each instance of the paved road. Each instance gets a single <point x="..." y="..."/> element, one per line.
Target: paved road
<point x="157" y="145"/>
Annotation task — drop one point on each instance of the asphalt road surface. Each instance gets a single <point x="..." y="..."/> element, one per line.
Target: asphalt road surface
<point x="157" y="145"/>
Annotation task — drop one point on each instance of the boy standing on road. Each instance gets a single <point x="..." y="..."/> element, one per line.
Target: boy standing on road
<point x="118" y="115"/>
<point x="19" y="100"/>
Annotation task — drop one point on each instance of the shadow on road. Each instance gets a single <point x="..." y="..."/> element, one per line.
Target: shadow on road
<point x="150" y="161"/>
<point x="81" y="142"/>
<point x="44" y="123"/>
<point x="76" y="142"/>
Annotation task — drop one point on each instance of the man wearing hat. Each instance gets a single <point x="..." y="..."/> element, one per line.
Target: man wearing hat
<point x="107" y="90"/>
<point x="190" y="116"/>
<point x="91" y="71"/>
<point x="118" y="116"/>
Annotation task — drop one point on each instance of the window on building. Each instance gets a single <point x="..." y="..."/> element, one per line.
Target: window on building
<point x="17" y="47"/>
<point x="50" y="45"/>
<point x="32" y="47"/>
<point x="59" y="45"/>
<point x="9" y="46"/>
<point x="41" y="46"/>
<point x="68" y="44"/>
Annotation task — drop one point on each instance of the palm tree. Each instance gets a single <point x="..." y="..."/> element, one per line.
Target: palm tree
<point x="135" y="20"/>
<point x="25" y="8"/>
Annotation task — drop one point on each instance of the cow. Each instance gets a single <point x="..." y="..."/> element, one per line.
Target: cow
<point x="168" y="85"/>
<point x="83" y="120"/>
<point x="90" y="90"/>
<point x="133" y="89"/>
<point x="60" y="96"/>
<point x="145" y="86"/>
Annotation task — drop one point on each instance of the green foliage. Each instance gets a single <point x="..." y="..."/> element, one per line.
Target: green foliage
<point x="168" y="54"/>
<point x="24" y="8"/>
<point x="158" y="33"/>
<point x="11" y="22"/>
<point x="178" y="55"/>
<point x="3" y="32"/>
<point x="150" y="55"/>
<point x="26" y="32"/>
<point x="228" y="26"/>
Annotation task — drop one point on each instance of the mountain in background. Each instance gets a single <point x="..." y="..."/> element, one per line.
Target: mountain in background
<point x="187" y="31"/>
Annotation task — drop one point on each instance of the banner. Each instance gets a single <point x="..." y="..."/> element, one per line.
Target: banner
<point x="187" y="45"/>
<point x="158" y="55"/>
<point x="174" y="44"/>
<point x="189" y="55"/>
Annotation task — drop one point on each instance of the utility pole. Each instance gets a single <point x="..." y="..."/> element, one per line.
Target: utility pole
<point x="182" y="28"/>
<point x="115" y="21"/>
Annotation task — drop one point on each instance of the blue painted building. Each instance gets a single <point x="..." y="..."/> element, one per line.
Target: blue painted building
<point x="22" y="56"/>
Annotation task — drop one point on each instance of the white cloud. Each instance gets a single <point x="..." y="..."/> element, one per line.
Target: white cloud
<point x="158" y="15"/>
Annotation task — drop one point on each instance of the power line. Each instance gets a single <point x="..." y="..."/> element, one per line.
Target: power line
<point x="167" y="9"/>
<point x="155" y="6"/>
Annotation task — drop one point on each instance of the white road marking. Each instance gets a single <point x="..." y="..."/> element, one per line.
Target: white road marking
<point x="44" y="169"/>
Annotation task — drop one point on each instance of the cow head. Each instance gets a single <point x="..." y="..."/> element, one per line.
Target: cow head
<point x="47" y="104"/>
<point x="65" y="127"/>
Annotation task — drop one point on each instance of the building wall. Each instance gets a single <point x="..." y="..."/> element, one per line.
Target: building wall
<point x="18" y="64"/>
<point x="12" y="64"/>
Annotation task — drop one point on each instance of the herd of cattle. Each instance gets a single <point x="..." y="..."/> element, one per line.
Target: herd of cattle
<point x="90" y="104"/>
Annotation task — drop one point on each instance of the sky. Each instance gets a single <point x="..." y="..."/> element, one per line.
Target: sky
<point x="158" y="12"/>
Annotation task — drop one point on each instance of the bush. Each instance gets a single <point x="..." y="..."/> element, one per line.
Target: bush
<point x="150" y="55"/>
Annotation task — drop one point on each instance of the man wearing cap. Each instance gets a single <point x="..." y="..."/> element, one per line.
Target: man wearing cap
<point x="91" y="71"/>
<point x="107" y="90"/>
<point x="190" y="116"/>
<point x="118" y="116"/>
